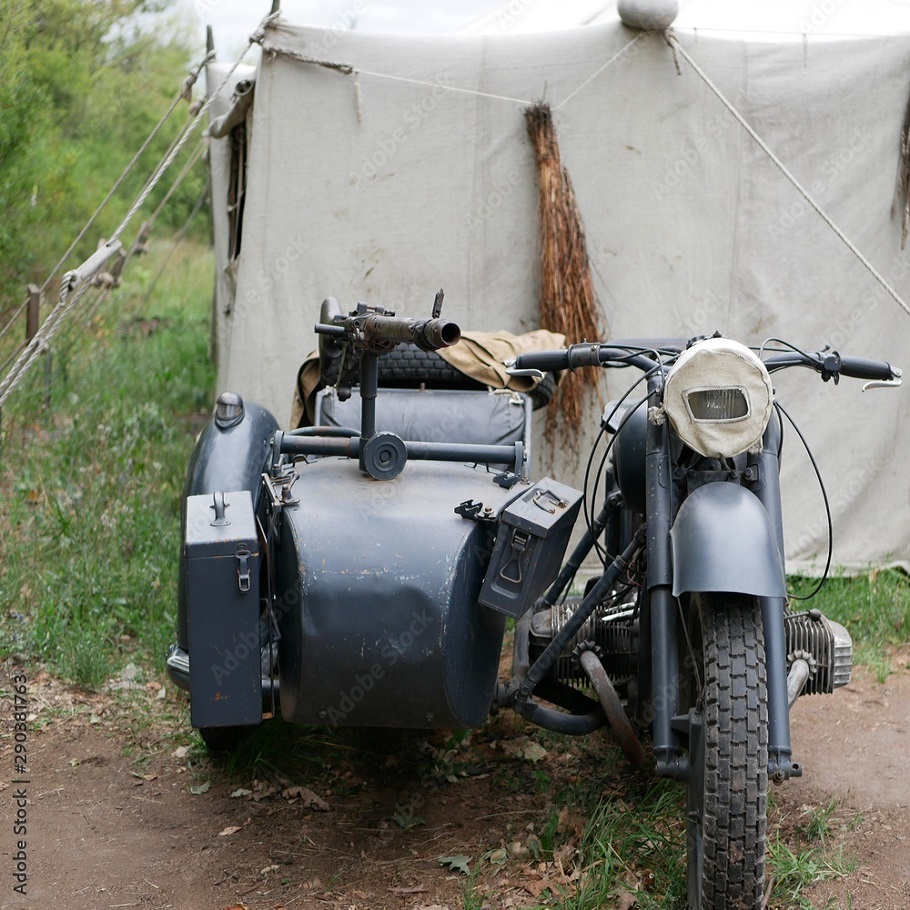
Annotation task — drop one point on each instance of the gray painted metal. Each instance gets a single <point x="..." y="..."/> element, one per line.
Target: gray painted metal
<point x="377" y="601"/>
<point x="723" y="540"/>
<point x="224" y="459"/>
<point x="534" y="532"/>
<point x="629" y="458"/>
<point x="222" y="585"/>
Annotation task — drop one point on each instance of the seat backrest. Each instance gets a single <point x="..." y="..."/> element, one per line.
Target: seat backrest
<point x="437" y="415"/>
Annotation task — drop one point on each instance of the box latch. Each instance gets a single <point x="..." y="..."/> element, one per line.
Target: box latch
<point x="243" y="570"/>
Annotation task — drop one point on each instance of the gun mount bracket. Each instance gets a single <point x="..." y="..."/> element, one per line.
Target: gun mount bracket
<point x="384" y="456"/>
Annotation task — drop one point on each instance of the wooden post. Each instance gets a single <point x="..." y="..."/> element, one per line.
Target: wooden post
<point x="117" y="267"/>
<point x="33" y="312"/>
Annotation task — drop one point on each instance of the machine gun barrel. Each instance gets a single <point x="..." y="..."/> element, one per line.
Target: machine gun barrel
<point x="427" y="334"/>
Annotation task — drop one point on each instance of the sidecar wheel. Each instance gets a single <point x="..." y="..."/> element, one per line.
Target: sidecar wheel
<point x="222" y="739"/>
<point x="727" y="793"/>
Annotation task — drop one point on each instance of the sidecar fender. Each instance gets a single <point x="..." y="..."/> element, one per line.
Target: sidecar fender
<point x="723" y="540"/>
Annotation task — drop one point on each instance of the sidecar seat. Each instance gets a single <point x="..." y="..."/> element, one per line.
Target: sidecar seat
<point x="478" y="417"/>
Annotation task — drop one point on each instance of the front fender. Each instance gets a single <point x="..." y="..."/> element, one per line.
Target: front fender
<point x="723" y="540"/>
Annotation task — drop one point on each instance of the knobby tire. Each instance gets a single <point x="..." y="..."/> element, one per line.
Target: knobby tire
<point x="727" y="794"/>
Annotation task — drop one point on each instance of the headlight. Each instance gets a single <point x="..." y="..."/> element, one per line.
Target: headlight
<point x="718" y="398"/>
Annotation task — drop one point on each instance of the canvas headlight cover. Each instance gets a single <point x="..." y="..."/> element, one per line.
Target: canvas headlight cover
<point x="718" y="398"/>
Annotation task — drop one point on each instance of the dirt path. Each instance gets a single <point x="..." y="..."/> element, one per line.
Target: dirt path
<point x="855" y="751"/>
<point x="122" y="813"/>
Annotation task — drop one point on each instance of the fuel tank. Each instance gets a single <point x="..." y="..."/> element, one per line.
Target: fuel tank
<point x="377" y="588"/>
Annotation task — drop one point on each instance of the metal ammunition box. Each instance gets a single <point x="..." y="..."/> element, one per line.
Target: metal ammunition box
<point x="531" y="541"/>
<point x="221" y="549"/>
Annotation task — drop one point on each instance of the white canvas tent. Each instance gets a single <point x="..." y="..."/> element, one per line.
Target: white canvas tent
<point x="381" y="167"/>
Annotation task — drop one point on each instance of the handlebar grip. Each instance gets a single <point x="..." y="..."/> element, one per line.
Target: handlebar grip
<point x="863" y="368"/>
<point x="584" y="354"/>
<point x="545" y="361"/>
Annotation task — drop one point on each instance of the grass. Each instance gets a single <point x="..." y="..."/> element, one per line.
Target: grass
<point x="805" y="855"/>
<point x="634" y="845"/>
<point x="875" y="609"/>
<point x="93" y="456"/>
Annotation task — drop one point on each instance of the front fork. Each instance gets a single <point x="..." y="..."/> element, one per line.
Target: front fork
<point x="762" y="477"/>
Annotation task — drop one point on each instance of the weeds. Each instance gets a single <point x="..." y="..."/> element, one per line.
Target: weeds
<point x="875" y="608"/>
<point x="634" y="845"/>
<point x="93" y="459"/>
<point x="795" y="870"/>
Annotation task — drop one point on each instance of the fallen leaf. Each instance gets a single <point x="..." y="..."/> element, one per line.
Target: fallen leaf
<point x="417" y="889"/>
<point x="533" y="752"/>
<point x="144" y="776"/>
<point x="536" y="888"/>
<point x="241" y="792"/>
<point x="309" y="799"/>
<point x="202" y="788"/>
<point x="457" y="863"/>
<point x="407" y="821"/>
<point x="231" y="829"/>
<point x="498" y="857"/>
<point x="180" y="752"/>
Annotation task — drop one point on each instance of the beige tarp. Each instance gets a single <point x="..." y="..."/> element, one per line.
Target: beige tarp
<point x="407" y="168"/>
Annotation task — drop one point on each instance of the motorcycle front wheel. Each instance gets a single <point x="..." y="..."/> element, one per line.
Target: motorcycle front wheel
<point x="727" y="789"/>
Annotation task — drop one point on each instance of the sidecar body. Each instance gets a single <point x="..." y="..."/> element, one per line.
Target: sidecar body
<point x="309" y="588"/>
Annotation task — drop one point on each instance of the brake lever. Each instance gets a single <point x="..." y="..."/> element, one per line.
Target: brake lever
<point x="882" y="384"/>
<point x="512" y="370"/>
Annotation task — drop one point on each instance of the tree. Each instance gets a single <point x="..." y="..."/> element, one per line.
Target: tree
<point x="82" y="84"/>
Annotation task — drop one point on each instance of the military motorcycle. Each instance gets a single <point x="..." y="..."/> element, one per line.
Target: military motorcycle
<point x="360" y="570"/>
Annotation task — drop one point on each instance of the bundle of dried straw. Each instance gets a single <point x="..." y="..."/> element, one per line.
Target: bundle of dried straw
<point x="568" y="303"/>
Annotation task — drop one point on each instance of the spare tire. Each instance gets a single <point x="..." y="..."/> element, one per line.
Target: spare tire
<point x="408" y="367"/>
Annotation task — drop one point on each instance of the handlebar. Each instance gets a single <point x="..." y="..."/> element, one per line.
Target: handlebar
<point x="612" y="354"/>
<point x="831" y="364"/>
<point x="581" y="355"/>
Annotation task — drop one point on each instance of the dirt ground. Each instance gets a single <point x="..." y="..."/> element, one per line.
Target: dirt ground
<point x="123" y="809"/>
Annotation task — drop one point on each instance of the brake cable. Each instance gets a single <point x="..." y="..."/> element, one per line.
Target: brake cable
<point x="824" y="492"/>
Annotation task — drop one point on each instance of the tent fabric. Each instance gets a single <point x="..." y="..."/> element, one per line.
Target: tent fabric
<point x="411" y="170"/>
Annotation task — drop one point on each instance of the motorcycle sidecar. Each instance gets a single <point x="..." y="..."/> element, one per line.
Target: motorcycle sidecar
<point x="310" y="587"/>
